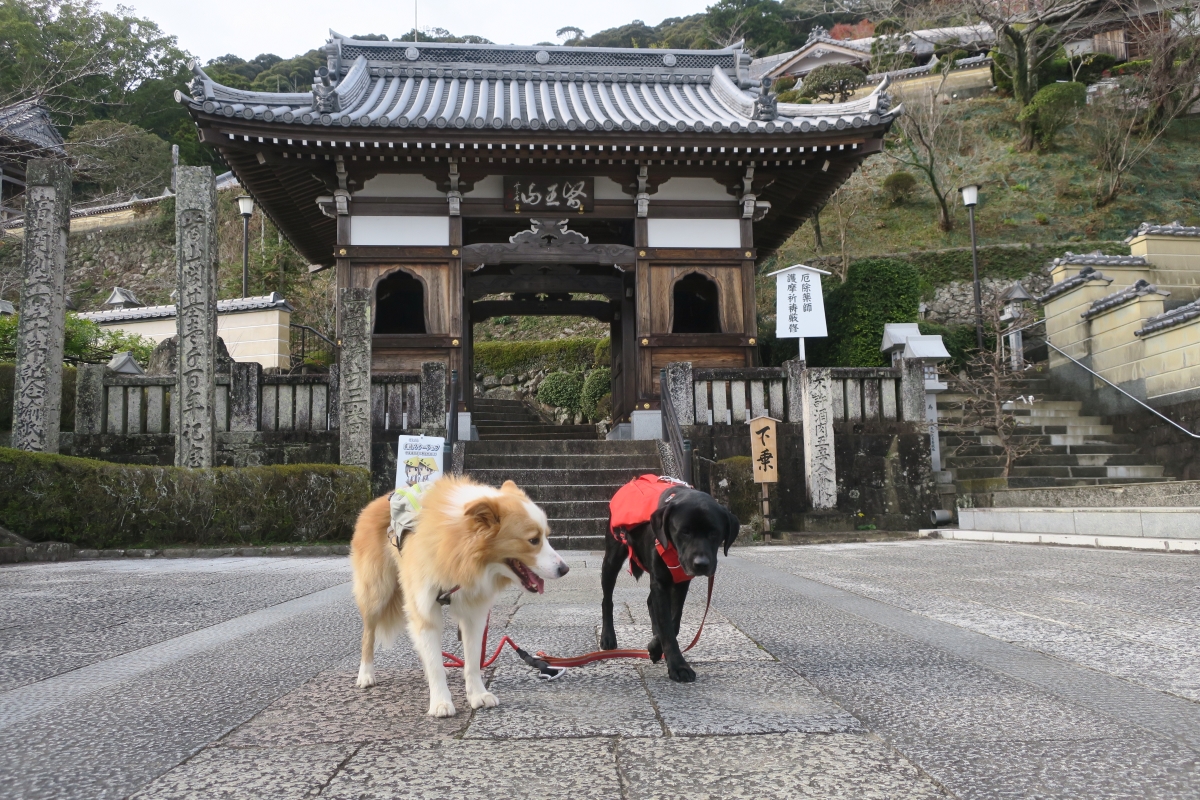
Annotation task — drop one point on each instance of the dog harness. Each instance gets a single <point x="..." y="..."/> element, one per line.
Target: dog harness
<point x="633" y="505"/>
<point x="405" y="506"/>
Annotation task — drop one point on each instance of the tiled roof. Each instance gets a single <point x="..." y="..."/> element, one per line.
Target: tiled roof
<point x="1176" y="228"/>
<point x="1098" y="259"/>
<point x="1140" y="289"/>
<point x="272" y="300"/>
<point x="423" y="84"/>
<point x="29" y="124"/>
<point x="1086" y="274"/>
<point x="1169" y="319"/>
<point x="925" y="69"/>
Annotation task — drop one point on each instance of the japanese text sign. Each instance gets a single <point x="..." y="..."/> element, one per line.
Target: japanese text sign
<point x="764" y="450"/>
<point x="530" y="193"/>
<point x="799" y="305"/>
<point x="419" y="460"/>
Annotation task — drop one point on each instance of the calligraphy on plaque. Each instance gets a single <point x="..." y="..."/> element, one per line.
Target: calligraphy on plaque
<point x="764" y="450"/>
<point x="530" y="193"/>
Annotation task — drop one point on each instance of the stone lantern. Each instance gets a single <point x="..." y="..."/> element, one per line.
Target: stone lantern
<point x="1016" y="317"/>
<point x="904" y="341"/>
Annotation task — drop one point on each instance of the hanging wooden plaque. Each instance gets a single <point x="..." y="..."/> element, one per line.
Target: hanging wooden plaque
<point x="532" y="193"/>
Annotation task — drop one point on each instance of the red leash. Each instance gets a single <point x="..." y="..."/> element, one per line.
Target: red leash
<point x="552" y="667"/>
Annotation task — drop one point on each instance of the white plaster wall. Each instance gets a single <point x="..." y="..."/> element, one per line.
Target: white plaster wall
<point x="694" y="232"/>
<point x="423" y="231"/>
<point x="261" y="336"/>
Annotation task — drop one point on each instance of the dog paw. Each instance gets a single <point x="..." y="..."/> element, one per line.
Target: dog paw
<point x="655" y="650"/>
<point x="444" y="708"/>
<point x="485" y="700"/>
<point x="681" y="673"/>
<point x="366" y="678"/>
<point x="608" y="640"/>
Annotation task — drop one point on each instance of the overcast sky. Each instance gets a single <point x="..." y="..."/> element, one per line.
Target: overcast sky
<point x="289" y="28"/>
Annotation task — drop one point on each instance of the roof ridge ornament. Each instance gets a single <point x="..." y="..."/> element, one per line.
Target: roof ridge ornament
<point x="766" y="107"/>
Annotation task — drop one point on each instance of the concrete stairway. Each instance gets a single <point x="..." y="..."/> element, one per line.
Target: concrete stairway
<point x="1075" y="450"/>
<point x="571" y="479"/>
<point x="512" y="420"/>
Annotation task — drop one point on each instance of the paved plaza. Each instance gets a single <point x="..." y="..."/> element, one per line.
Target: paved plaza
<point x="891" y="670"/>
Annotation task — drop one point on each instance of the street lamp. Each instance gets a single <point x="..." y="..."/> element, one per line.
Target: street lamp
<point x="246" y="206"/>
<point x="970" y="197"/>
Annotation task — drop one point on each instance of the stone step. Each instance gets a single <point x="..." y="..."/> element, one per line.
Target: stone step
<point x="583" y="447"/>
<point x="578" y="542"/>
<point x="504" y="416"/>
<point x="575" y="509"/>
<point x="1138" y="471"/>
<point x="1050" y="419"/>
<point x="561" y="461"/>
<point x="550" y="435"/>
<point x="958" y="461"/>
<point x="612" y="477"/>
<point x="1154" y="522"/>
<point x="583" y="526"/>
<point x="571" y="493"/>
<point x="521" y="427"/>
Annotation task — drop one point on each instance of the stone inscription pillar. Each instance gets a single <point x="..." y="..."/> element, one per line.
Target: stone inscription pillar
<point x="37" y="390"/>
<point x="196" y="317"/>
<point x="820" y="473"/>
<point x="354" y="378"/>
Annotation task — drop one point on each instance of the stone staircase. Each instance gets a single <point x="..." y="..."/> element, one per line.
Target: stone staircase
<point x="512" y="420"/>
<point x="571" y="478"/>
<point x="1075" y="450"/>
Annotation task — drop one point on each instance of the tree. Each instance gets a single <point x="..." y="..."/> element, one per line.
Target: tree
<point x="832" y="83"/>
<point x="575" y="34"/>
<point x="927" y="143"/>
<point x="763" y="24"/>
<point x="1028" y="36"/>
<point x="114" y="160"/>
<point x="1053" y="108"/>
<point x="1124" y="123"/>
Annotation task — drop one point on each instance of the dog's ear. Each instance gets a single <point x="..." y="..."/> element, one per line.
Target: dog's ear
<point x="484" y="513"/>
<point x="511" y="488"/>
<point x="732" y="533"/>
<point x="658" y="524"/>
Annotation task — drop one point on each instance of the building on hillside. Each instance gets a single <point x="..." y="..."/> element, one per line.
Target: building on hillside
<point x="26" y="131"/>
<point x="253" y="328"/>
<point x="457" y="182"/>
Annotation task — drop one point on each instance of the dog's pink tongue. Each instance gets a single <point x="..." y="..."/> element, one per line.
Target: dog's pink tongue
<point x="541" y="584"/>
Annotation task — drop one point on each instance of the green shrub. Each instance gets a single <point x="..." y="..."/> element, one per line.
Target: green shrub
<point x="97" y="504"/>
<point x="513" y="358"/>
<point x="595" y="387"/>
<point x="83" y="340"/>
<point x="877" y="291"/>
<point x="1052" y="109"/>
<point x="602" y="356"/>
<point x="1132" y="67"/>
<point x="67" y="407"/>
<point x="785" y="83"/>
<point x="899" y="186"/>
<point x="562" y="390"/>
<point x="959" y="341"/>
<point x="832" y="83"/>
<point x="792" y="96"/>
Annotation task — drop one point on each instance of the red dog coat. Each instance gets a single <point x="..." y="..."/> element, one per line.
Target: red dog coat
<point x="633" y="505"/>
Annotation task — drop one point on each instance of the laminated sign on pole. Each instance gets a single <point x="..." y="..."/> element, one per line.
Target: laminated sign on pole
<point x="799" y="304"/>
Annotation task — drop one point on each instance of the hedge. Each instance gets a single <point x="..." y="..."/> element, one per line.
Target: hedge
<point x="97" y="504"/>
<point x="941" y="267"/>
<point x="513" y="358"/>
<point x="877" y="291"/>
<point x="561" y="390"/>
<point x="595" y="387"/>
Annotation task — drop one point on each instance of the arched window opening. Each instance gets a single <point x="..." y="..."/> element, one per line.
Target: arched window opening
<point x="696" y="305"/>
<point x="400" y="304"/>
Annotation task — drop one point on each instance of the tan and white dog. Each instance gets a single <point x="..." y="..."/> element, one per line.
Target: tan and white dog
<point x="470" y="536"/>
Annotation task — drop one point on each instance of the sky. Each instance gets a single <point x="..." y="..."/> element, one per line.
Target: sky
<point x="297" y="26"/>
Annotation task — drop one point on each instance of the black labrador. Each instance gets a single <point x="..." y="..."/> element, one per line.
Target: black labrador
<point x="697" y="525"/>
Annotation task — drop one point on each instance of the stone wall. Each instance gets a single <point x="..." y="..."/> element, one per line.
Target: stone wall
<point x="138" y="255"/>
<point x="1165" y="445"/>
<point x="954" y="303"/>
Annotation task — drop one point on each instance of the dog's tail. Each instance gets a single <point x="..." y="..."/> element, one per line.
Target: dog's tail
<point x="390" y="621"/>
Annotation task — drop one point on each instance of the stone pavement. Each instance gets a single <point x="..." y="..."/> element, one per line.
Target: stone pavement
<point x="890" y="670"/>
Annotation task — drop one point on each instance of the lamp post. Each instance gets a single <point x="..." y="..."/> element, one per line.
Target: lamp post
<point x="246" y="206"/>
<point x="970" y="197"/>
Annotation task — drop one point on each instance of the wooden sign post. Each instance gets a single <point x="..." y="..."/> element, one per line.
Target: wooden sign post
<point x="764" y="460"/>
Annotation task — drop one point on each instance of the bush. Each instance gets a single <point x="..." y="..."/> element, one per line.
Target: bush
<point x="1133" y="67"/>
<point x="1052" y="109"/>
<point x="784" y="84"/>
<point x="959" y="341"/>
<point x="899" y="186"/>
<point x="602" y="356"/>
<point x="832" y="83"/>
<point x="513" y="358"/>
<point x="83" y="340"/>
<point x="877" y="291"/>
<point x="89" y="503"/>
<point x="562" y="390"/>
<point x="595" y="387"/>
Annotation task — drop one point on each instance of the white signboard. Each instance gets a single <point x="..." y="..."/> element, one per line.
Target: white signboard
<point x="799" y="305"/>
<point x="419" y="460"/>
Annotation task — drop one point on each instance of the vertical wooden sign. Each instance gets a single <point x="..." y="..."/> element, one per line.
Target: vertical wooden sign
<point x="764" y="459"/>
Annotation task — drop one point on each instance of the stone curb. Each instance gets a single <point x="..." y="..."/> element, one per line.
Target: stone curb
<point x="1067" y="540"/>
<point x="217" y="552"/>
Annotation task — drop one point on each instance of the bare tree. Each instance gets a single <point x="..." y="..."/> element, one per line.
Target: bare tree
<point x="1125" y="122"/>
<point x="1028" y="35"/>
<point x="929" y="144"/>
<point x="990" y="395"/>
